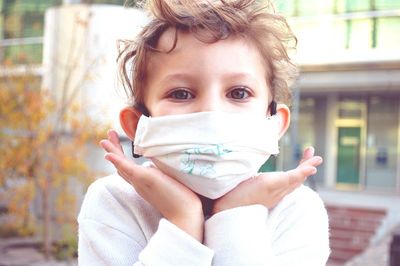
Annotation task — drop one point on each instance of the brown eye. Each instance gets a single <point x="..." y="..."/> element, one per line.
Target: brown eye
<point x="181" y="95"/>
<point x="239" y="94"/>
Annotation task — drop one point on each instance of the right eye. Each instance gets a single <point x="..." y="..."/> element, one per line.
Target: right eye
<point x="181" y="94"/>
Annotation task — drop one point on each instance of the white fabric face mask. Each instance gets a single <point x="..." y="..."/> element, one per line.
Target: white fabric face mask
<point x="209" y="152"/>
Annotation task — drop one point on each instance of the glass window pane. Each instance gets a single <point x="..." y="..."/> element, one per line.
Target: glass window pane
<point x="322" y="36"/>
<point x="351" y="107"/>
<point x="311" y="123"/>
<point x="22" y="54"/>
<point x="360" y="34"/>
<point x="388" y="33"/>
<point x="12" y="26"/>
<point x="382" y="142"/>
<point x="309" y="131"/>
<point x="387" y="4"/>
<point x="285" y="7"/>
<point x="346" y="6"/>
<point x="309" y="8"/>
<point x="1" y="26"/>
<point x="306" y="136"/>
<point x="25" y="18"/>
<point x="33" y="24"/>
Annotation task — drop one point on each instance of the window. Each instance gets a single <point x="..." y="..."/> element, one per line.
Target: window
<point x="24" y="54"/>
<point x="20" y="20"/>
<point x="382" y="142"/>
<point x="312" y="8"/>
<point x="351" y="107"/>
<point x="387" y="4"/>
<point x="359" y="34"/>
<point x="286" y="7"/>
<point x="346" y="6"/>
<point x="388" y="36"/>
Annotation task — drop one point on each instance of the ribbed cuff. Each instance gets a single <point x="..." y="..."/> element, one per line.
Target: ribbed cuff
<point x="172" y="246"/>
<point x="239" y="235"/>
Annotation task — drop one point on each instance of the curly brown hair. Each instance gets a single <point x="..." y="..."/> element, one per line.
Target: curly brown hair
<point x="210" y="21"/>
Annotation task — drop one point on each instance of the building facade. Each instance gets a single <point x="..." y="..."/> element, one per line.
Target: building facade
<point x="346" y="101"/>
<point x="22" y="26"/>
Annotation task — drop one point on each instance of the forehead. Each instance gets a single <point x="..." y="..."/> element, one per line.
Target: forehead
<point x="189" y="47"/>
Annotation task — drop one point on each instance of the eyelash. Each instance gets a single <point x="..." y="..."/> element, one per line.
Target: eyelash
<point x="246" y="90"/>
<point x="173" y="94"/>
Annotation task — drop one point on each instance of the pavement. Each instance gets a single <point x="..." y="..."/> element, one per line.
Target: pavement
<point x="23" y="252"/>
<point x="374" y="255"/>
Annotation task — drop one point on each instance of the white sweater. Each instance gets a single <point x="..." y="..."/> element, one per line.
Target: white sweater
<point x="118" y="227"/>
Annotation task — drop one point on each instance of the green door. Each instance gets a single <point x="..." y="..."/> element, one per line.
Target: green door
<point x="348" y="161"/>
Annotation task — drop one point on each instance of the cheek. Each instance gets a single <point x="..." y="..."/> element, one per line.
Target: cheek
<point x="162" y="108"/>
<point x="261" y="105"/>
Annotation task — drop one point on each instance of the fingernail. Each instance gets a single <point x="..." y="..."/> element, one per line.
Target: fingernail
<point x="317" y="159"/>
<point x="313" y="171"/>
<point x="107" y="157"/>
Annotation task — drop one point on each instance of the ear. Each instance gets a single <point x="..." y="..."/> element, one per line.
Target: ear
<point x="283" y="114"/>
<point x="129" y="118"/>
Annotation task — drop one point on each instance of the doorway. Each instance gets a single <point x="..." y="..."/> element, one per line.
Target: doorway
<point x="348" y="156"/>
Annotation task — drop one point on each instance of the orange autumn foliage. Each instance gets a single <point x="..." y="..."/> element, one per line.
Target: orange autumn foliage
<point x="43" y="153"/>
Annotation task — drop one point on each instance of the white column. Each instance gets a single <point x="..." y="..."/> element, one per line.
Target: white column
<point x="330" y="159"/>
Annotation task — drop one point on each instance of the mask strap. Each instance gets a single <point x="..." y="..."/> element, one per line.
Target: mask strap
<point x="133" y="151"/>
<point x="272" y="107"/>
<point x="142" y="108"/>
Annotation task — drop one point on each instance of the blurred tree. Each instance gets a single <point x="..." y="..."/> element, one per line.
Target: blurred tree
<point x="45" y="134"/>
<point x="43" y="149"/>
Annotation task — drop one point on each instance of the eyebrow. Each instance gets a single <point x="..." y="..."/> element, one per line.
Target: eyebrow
<point x="240" y="75"/>
<point x="190" y="77"/>
<point x="177" y="77"/>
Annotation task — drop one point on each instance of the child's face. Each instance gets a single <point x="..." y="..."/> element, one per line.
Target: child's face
<point x="228" y="76"/>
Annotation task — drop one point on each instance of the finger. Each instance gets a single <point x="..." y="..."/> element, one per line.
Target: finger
<point x="113" y="158"/>
<point x="114" y="138"/>
<point x="110" y="147"/>
<point x="313" y="161"/>
<point x="128" y="167"/>
<point x="122" y="165"/>
<point x="297" y="176"/>
<point x="307" y="154"/>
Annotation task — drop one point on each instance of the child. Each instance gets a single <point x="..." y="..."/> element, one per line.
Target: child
<point x="205" y="79"/>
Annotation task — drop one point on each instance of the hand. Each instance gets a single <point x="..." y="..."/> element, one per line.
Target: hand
<point x="173" y="200"/>
<point x="269" y="189"/>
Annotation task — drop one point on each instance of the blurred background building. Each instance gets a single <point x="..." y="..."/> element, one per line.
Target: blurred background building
<point x="346" y="102"/>
<point x="346" y="105"/>
<point x="348" y="92"/>
<point x="349" y="53"/>
<point x="22" y="27"/>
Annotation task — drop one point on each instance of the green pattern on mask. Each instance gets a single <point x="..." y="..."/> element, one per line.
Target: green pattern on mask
<point x="195" y="166"/>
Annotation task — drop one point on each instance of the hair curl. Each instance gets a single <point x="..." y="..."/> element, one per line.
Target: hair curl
<point x="211" y="21"/>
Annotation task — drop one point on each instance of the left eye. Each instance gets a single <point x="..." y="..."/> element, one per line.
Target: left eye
<point x="239" y="93"/>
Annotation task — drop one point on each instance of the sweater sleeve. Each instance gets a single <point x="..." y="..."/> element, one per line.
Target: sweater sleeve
<point x="239" y="236"/>
<point x="293" y="233"/>
<point x="116" y="228"/>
